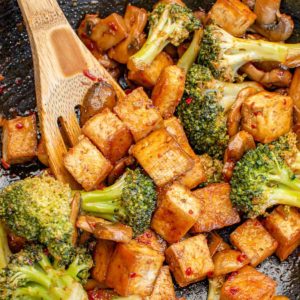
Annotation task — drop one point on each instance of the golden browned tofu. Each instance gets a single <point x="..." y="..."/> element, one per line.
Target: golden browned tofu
<point x="168" y="90"/>
<point x="133" y="269"/>
<point x="232" y="15"/>
<point x="162" y="157"/>
<point x="216" y="208"/>
<point x="109" y="32"/>
<point x="19" y="140"/>
<point x="284" y="225"/>
<point x="227" y="261"/>
<point x="267" y="116"/>
<point x="138" y="114"/>
<point x="216" y="243"/>
<point x="196" y="175"/>
<point x="149" y="76"/>
<point x="109" y="134"/>
<point x="102" y="256"/>
<point x="247" y="283"/>
<point x="42" y="152"/>
<point x="189" y="260"/>
<point x="87" y="164"/>
<point x="254" y="240"/>
<point x="163" y="288"/>
<point x="280" y="298"/>
<point x="178" y="211"/>
<point x="150" y="239"/>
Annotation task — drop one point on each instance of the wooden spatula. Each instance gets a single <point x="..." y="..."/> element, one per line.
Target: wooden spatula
<point x="61" y="63"/>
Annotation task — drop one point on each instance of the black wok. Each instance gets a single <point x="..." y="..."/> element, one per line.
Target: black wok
<point x="18" y="97"/>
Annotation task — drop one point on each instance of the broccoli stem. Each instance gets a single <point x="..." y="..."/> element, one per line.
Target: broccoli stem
<point x="36" y="292"/>
<point x="75" y="268"/>
<point x="284" y="196"/>
<point x="4" y="248"/>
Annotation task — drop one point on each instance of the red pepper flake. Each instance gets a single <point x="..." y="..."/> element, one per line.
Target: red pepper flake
<point x="132" y="275"/>
<point x="87" y="74"/>
<point x="46" y="251"/>
<point x="257" y="113"/>
<point x="233" y="290"/>
<point x="191" y="212"/>
<point x="128" y="91"/>
<point x="242" y="257"/>
<point x="148" y="235"/>
<point x="5" y="164"/>
<point x="112" y="26"/>
<point x="232" y="275"/>
<point x="189" y="271"/>
<point x="253" y="126"/>
<point x="18" y="80"/>
<point x="189" y="100"/>
<point x="19" y="125"/>
<point x="210" y="274"/>
<point x="90" y="44"/>
<point x="2" y="88"/>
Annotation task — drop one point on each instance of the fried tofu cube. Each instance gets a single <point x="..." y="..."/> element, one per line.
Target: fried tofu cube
<point x="109" y="32"/>
<point x="149" y="76"/>
<point x="232" y="15"/>
<point x="138" y="114"/>
<point x="196" y="175"/>
<point x="162" y="157"/>
<point x="168" y="90"/>
<point x="87" y="164"/>
<point x="19" y="140"/>
<point x="150" y="239"/>
<point x="227" y="261"/>
<point x="267" y="116"/>
<point x="280" y="298"/>
<point x="284" y="225"/>
<point x="102" y="255"/>
<point x="133" y="269"/>
<point x="178" y="211"/>
<point x="216" y="208"/>
<point x="189" y="260"/>
<point x="109" y="134"/>
<point x="254" y="240"/>
<point x="163" y="288"/>
<point x="247" y="283"/>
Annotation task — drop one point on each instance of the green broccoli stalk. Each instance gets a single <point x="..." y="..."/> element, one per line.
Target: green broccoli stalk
<point x="38" y="209"/>
<point x="262" y="179"/>
<point x="224" y="54"/>
<point x="169" y="23"/>
<point x="130" y="200"/>
<point x="4" y="248"/>
<point x="203" y="110"/>
<point x="31" y="275"/>
<point x="214" y="287"/>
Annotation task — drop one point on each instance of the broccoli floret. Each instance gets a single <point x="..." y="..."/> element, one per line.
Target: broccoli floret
<point x="224" y="54"/>
<point x="169" y="23"/>
<point x="4" y="248"/>
<point x="214" y="287"/>
<point x="262" y="179"/>
<point x="203" y="110"/>
<point x="38" y="209"/>
<point x="130" y="200"/>
<point x="32" y="274"/>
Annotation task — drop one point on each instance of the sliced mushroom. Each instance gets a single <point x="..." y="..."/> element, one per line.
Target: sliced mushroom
<point x="235" y="115"/>
<point x="294" y="93"/>
<point x="277" y="77"/>
<point x="237" y="147"/>
<point x="119" y="168"/>
<point x="266" y="11"/>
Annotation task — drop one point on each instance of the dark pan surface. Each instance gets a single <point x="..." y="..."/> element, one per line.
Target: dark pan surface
<point x="17" y="97"/>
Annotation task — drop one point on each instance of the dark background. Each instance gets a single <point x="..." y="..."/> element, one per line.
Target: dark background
<point x="17" y="97"/>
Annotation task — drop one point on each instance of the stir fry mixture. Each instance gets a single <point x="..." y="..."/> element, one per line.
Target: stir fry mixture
<point x="205" y="138"/>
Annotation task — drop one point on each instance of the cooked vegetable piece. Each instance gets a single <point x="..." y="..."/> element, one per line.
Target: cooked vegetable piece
<point x="109" y="32"/>
<point x="98" y="97"/>
<point x="130" y="200"/>
<point x="247" y="283"/>
<point x="177" y="212"/>
<point x="267" y="116"/>
<point x="102" y="256"/>
<point x="163" y="287"/>
<point x="224" y="54"/>
<point x="162" y="157"/>
<point x="149" y="76"/>
<point x="168" y="90"/>
<point x="133" y="269"/>
<point x="86" y="27"/>
<point x="196" y="175"/>
<point x="214" y="287"/>
<point x="294" y="92"/>
<point x="4" y="247"/>
<point x="232" y="15"/>
<point x="87" y="164"/>
<point x="254" y="240"/>
<point x="216" y="210"/>
<point x="31" y="274"/>
<point x="169" y="23"/>
<point x="150" y="239"/>
<point x="189" y="260"/>
<point x="227" y="261"/>
<point x="261" y="179"/>
<point x="119" y="169"/>
<point x="135" y="19"/>
<point x="19" y="140"/>
<point x="216" y="243"/>
<point x="16" y="243"/>
<point x="39" y="209"/>
<point x="138" y="114"/>
<point x="284" y="225"/>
